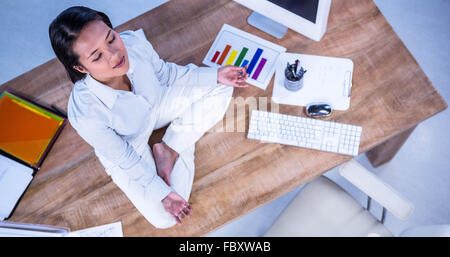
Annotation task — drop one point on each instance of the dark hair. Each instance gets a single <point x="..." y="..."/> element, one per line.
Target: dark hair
<point x="65" y="29"/>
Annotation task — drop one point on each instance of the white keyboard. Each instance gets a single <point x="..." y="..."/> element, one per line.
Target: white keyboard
<point x="304" y="132"/>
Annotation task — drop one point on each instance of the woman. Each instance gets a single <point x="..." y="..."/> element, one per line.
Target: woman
<point x="122" y="92"/>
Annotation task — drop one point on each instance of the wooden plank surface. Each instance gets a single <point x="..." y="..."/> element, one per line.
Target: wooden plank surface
<point x="233" y="175"/>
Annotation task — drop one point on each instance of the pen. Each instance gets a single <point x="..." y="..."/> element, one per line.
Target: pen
<point x="289" y="73"/>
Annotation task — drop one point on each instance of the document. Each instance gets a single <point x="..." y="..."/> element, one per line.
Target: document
<point x="233" y="46"/>
<point x="328" y="80"/>
<point x="108" y="230"/>
<point x="14" y="179"/>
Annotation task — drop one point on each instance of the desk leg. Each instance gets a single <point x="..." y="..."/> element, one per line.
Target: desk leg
<point x="384" y="152"/>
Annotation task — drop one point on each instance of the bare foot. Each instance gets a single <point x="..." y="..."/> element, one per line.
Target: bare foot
<point x="165" y="158"/>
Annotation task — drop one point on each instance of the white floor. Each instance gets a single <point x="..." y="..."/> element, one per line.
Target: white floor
<point x="421" y="169"/>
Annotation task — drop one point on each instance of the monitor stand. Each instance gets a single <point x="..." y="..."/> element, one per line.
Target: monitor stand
<point x="267" y="25"/>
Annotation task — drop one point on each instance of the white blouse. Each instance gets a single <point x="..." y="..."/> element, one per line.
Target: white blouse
<point x="109" y="119"/>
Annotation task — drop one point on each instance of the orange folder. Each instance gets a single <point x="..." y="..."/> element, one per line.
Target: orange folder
<point x="27" y="130"/>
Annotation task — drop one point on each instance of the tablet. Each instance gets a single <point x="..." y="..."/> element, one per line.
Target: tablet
<point x="27" y="130"/>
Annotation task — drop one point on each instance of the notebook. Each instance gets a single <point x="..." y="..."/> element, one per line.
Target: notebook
<point x="27" y="132"/>
<point x="328" y="79"/>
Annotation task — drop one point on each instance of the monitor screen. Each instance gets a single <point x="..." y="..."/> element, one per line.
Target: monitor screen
<point x="304" y="8"/>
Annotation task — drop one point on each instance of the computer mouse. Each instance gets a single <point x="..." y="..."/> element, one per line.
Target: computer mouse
<point x="318" y="109"/>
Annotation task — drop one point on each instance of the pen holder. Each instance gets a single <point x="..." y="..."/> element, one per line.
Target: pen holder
<point x="292" y="83"/>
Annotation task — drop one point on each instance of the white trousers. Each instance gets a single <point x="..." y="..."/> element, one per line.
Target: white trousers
<point x="190" y="111"/>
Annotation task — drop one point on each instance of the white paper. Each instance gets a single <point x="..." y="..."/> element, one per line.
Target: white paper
<point x="14" y="179"/>
<point x="239" y="39"/>
<point x="108" y="230"/>
<point x="328" y="79"/>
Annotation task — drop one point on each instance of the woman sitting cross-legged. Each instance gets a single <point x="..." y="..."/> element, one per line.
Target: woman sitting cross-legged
<point x="122" y="92"/>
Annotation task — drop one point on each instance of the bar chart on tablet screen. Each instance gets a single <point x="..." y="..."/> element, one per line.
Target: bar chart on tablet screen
<point x="239" y="48"/>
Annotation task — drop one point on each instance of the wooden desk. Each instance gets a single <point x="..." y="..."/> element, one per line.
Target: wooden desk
<point x="234" y="176"/>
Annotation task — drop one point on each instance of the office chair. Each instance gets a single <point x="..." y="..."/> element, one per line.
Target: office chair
<point x="322" y="208"/>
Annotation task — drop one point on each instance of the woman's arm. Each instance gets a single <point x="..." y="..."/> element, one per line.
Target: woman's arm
<point x="168" y="73"/>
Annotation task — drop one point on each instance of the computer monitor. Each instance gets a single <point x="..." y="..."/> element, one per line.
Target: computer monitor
<point x="308" y="17"/>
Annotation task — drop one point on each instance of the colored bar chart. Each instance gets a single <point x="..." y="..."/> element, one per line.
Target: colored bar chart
<point x="224" y="54"/>
<point x="259" y="68"/>
<point x="231" y="58"/>
<point x="238" y="48"/>
<point x="241" y="57"/>
<point x="255" y="58"/>
<point x="233" y="55"/>
<point x="215" y="56"/>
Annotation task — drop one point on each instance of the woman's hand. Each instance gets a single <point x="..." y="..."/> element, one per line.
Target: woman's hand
<point x="176" y="206"/>
<point x="232" y="76"/>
